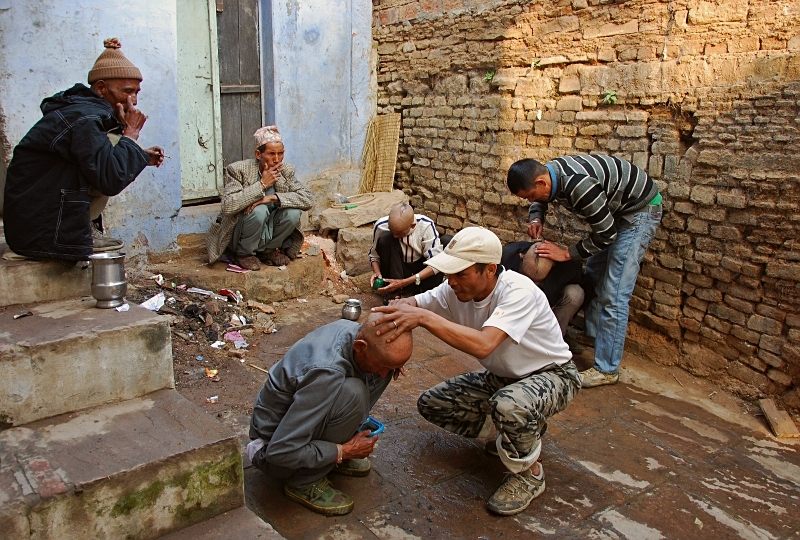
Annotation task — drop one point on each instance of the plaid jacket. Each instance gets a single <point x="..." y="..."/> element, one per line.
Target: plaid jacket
<point x="243" y="188"/>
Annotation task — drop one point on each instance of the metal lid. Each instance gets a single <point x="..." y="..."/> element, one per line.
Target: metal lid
<point x="352" y="302"/>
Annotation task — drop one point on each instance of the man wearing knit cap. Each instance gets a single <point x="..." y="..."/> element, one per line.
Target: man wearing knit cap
<point x="82" y="151"/>
<point x="502" y="319"/>
<point x="261" y="208"/>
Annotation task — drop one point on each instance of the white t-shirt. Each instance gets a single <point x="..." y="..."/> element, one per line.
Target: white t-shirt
<point x="517" y="307"/>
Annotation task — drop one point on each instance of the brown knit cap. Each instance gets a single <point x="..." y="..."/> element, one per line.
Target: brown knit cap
<point x="112" y="64"/>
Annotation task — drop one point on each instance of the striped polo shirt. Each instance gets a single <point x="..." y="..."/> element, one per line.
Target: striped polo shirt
<point x="598" y="188"/>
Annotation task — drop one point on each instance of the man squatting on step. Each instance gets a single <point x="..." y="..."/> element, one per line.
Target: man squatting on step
<point x="401" y="242"/>
<point x="622" y="205"/>
<point x="82" y="151"/>
<point x="503" y="320"/>
<point x="261" y="206"/>
<point x="314" y="400"/>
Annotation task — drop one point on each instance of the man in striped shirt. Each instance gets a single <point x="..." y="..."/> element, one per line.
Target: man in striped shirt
<point x="401" y="243"/>
<point x="622" y="205"/>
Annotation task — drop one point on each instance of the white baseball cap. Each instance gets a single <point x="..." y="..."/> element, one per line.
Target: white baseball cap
<point x="469" y="246"/>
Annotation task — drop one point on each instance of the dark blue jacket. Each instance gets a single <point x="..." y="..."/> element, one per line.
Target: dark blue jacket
<point x="46" y="205"/>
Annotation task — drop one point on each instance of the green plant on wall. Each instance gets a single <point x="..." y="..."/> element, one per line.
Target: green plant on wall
<point x="489" y="76"/>
<point x="609" y="97"/>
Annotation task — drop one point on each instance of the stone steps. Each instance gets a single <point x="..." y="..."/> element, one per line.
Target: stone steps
<point x="241" y="524"/>
<point x="270" y="284"/>
<point x="69" y="356"/>
<point x="138" y="469"/>
<point x="25" y="282"/>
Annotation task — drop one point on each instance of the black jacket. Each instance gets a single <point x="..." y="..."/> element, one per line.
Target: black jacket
<point x="46" y="208"/>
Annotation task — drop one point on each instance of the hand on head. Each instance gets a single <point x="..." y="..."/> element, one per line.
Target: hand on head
<point x="375" y="354"/>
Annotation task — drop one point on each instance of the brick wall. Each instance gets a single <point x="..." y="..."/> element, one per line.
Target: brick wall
<point x="707" y="101"/>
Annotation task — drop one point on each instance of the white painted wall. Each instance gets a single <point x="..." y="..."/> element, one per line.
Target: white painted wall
<point x="322" y="72"/>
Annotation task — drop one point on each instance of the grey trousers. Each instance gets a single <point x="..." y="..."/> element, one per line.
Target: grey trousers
<point x="349" y="411"/>
<point x="567" y="306"/>
<point x="263" y="230"/>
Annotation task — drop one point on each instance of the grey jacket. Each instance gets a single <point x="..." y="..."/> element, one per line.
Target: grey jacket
<point x="242" y="188"/>
<point x="300" y="391"/>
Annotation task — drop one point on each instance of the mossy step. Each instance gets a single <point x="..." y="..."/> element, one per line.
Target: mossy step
<point x="137" y="470"/>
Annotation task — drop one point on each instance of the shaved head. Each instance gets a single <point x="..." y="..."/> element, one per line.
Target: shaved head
<point x="401" y="220"/>
<point x="374" y="355"/>
<point x="534" y="266"/>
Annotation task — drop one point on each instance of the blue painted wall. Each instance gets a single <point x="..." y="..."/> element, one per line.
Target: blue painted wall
<point x="319" y="88"/>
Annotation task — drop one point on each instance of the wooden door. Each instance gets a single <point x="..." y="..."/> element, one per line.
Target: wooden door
<point x="240" y="77"/>
<point x="198" y="101"/>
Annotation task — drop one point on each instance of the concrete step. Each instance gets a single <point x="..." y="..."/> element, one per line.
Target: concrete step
<point x="27" y="282"/>
<point x="241" y="524"/>
<point x="69" y="356"/>
<point x="270" y="284"/>
<point x="137" y="470"/>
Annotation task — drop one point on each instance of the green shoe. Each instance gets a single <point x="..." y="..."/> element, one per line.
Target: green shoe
<point x="353" y="467"/>
<point x="516" y="493"/>
<point x="322" y="498"/>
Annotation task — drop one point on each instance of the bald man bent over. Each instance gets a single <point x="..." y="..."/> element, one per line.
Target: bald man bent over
<point x="401" y="243"/>
<point x="306" y="417"/>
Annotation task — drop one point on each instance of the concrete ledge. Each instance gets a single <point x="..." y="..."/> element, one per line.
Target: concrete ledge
<point x="270" y="284"/>
<point x="241" y="524"/>
<point x="139" y="469"/>
<point x="70" y="356"/>
<point x="27" y="282"/>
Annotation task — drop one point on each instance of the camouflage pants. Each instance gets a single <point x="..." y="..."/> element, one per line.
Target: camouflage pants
<point x="519" y="408"/>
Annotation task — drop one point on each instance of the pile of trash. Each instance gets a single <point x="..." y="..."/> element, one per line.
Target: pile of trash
<point x="221" y="319"/>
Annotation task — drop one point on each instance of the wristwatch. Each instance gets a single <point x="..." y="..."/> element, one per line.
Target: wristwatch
<point x="417" y="280"/>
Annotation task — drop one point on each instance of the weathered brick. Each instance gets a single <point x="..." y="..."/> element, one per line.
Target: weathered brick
<point x="717" y="324"/>
<point x="771" y="359"/>
<point x="743" y="373"/>
<point x="743" y="333"/>
<point x="783" y="270"/>
<point x="723" y="312"/>
<point x="570" y="103"/>
<point x="771" y="311"/>
<point x="764" y="325"/>
<point x="709" y="295"/>
<point x="632" y="131"/>
<point x="772" y="344"/>
<point x="703" y="195"/>
<point x="779" y="377"/>
<point x="742" y="306"/>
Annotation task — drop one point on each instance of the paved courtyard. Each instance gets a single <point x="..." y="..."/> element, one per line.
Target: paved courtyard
<point x="660" y="455"/>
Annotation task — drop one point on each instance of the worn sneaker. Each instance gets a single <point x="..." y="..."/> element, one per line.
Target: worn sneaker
<point x="102" y="243"/>
<point x="516" y="493"/>
<point x="322" y="498"/>
<point x="353" y="467"/>
<point x="591" y="378"/>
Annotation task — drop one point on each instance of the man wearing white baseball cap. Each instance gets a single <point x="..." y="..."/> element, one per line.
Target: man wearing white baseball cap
<point x="504" y="320"/>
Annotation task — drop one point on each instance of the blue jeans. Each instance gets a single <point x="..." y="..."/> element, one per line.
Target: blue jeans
<point x="614" y="270"/>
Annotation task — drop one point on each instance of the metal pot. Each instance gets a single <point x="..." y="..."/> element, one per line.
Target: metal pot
<point x="351" y="309"/>
<point x="108" y="278"/>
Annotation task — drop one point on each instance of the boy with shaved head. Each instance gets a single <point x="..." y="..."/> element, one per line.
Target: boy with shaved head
<point x="306" y="417"/>
<point x="401" y="243"/>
